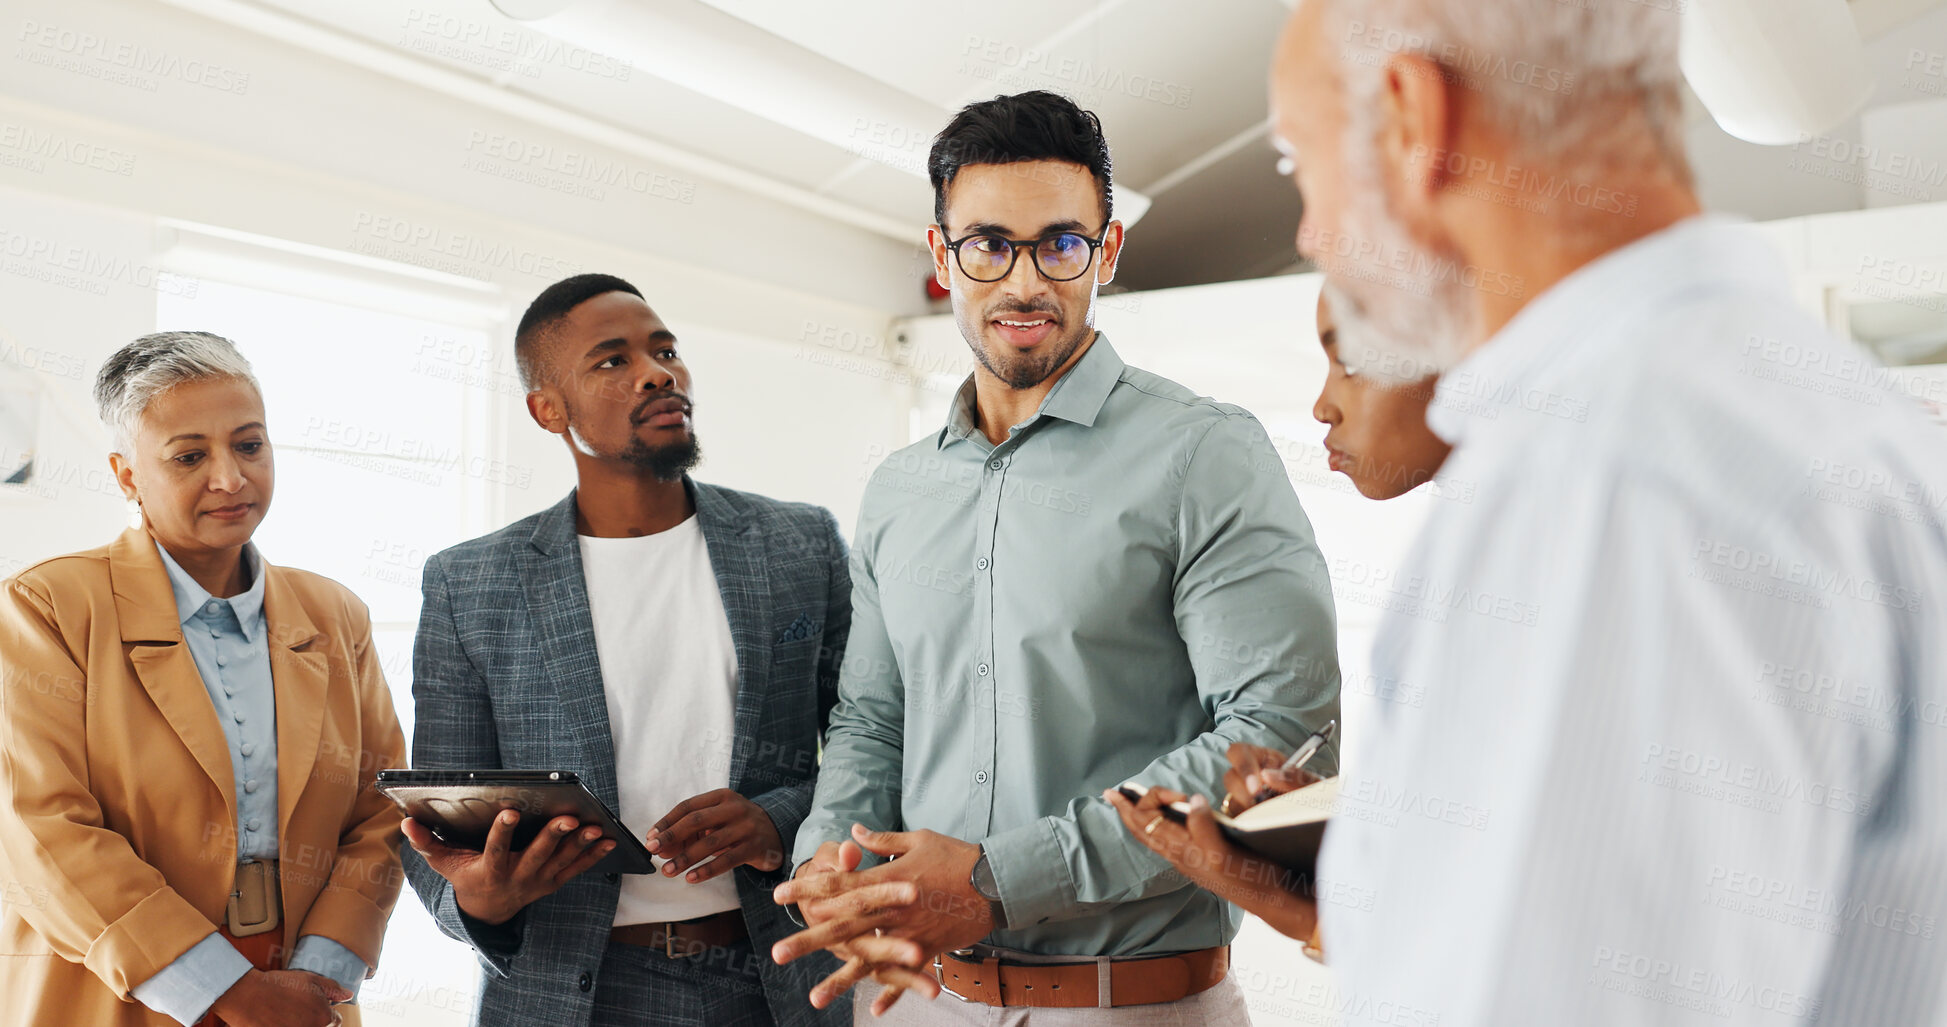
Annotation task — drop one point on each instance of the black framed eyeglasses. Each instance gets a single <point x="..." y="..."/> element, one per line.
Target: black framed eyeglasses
<point x="1059" y="256"/>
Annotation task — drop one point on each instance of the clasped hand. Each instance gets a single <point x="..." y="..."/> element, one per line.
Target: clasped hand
<point x="891" y="921"/>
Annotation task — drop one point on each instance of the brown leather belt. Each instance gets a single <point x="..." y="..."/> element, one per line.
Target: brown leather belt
<point x="256" y="899"/>
<point x="686" y="938"/>
<point x="1128" y="982"/>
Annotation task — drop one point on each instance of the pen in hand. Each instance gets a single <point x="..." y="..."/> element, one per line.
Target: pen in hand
<point x="1298" y="759"/>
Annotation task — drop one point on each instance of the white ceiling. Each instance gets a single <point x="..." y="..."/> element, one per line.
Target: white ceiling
<point x="832" y="106"/>
<point x="840" y="107"/>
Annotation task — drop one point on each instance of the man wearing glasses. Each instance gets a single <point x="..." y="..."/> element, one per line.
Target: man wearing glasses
<point x="1090" y="575"/>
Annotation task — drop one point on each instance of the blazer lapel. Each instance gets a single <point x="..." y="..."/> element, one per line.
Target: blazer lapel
<point x="145" y="608"/>
<point x="557" y="606"/>
<point x="300" y="675"/>
<point x="737" y="557"/>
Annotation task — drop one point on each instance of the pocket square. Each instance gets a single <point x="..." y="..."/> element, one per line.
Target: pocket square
<point x="802" y="628"/>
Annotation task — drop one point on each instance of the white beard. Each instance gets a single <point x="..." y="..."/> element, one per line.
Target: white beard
<point x="1400" y="325"/>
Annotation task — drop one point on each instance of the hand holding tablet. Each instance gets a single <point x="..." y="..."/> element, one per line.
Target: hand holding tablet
<point x="507" y="838"/>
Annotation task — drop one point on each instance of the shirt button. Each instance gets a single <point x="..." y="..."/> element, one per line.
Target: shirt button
<point x="981" y="670"/>
<point x="996" y="465"/>
<point x="221" y="660"/>
<point x="239" y="716"/>
<point x="981" y="563"/>
<point x="250" y="787"/>
<point x="980" y="777"/>
<point x="255" y="823"/>
<point x="586" y="982"/>
<point x="210" y="606"/>
<point x="249" y="749"/>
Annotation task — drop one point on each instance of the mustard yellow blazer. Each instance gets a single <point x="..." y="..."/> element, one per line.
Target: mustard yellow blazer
<point x="117" y="801"/>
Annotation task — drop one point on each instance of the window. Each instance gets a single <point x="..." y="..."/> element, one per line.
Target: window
<point x="381" y="438"/>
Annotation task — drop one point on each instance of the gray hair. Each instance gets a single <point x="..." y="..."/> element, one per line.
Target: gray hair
<point x="153" y="364"/>
<point x="1551" y="71"/>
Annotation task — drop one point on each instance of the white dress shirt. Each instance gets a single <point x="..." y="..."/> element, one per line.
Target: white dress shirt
<point x="1683" y="752"/>
<point x="669" y="671"/>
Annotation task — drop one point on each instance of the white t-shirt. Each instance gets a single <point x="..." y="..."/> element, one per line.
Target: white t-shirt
<point x="669" y="671"/>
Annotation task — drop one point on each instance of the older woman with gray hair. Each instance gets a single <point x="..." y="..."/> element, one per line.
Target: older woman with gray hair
<point x="188" y="737"/>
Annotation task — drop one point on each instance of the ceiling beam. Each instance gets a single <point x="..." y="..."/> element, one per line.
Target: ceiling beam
<point x="711" y="51"/>
<point x="404" y="67"/>
<point x="1197" y="164"/>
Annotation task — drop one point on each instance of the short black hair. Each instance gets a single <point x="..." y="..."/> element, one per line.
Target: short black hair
<point x="549" y="309"/>
<point x="1035" y="125"/>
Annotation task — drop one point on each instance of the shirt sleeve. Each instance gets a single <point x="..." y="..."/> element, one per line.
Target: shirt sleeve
<point x="453" y="727"/>
<point x="186" y="989"/>
<point x="327" y="958"/>
<point x="859" y="779"/>
<point x="1253" y="605"/>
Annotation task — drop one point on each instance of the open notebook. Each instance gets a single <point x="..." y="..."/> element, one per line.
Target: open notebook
<point x="1285" y="829"/>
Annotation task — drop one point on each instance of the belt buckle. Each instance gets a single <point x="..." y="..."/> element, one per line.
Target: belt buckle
<point x="986" y="990"/>
<point x="255" y="905"/>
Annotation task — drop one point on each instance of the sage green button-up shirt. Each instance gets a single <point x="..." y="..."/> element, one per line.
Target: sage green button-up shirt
<point x="1119" y="590"/>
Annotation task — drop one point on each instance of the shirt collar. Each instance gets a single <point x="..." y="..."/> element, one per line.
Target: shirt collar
<point x="1078" y="396"/>
<point x="191" y="597"/>
<point x="1707" y="251"/>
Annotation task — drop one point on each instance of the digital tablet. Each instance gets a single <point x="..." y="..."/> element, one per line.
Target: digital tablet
<point x="459" y="806"/>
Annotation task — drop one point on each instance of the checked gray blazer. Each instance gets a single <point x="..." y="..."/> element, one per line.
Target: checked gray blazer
<point x="505" y="676"/>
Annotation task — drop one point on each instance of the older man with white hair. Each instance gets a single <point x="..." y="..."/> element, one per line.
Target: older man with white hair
<point x="1683" y="756"/>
